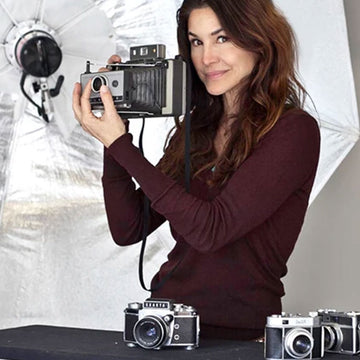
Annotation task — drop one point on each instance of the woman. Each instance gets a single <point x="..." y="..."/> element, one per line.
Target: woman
<point x="253" y="158"/>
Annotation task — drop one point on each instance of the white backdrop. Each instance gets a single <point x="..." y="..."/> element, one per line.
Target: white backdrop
<point x="58" y="263"/>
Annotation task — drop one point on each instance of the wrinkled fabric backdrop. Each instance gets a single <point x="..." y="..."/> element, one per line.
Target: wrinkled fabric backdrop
<point x="58" y="263"/>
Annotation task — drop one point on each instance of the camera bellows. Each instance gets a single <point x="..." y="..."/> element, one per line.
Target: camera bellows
<point x="146" y="88"/>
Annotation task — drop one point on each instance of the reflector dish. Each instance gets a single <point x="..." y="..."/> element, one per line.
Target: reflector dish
<point x="50" y="39"/>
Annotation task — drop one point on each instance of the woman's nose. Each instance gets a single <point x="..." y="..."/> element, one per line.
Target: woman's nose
<point x="210" y="55"/>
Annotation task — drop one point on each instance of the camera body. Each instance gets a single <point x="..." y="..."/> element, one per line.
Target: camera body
<point x="294" y="337"/>
<point x="341" y="331"/>
<point x="159" y="323"/>
<point x="148" y="85"/>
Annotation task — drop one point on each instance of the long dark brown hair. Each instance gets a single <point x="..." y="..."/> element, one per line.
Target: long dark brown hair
<point x="271" y="88"/>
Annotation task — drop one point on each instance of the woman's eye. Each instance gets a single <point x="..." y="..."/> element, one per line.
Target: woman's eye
<point x="195" y="42"/>
<point x="222" y="39"/>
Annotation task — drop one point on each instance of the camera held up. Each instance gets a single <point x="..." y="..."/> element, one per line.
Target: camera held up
<point x="159" y="323"/>
<point x="148" y="85"/>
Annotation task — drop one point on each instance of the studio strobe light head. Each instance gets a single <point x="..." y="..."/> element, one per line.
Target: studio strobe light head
<point x="34" y="48"/>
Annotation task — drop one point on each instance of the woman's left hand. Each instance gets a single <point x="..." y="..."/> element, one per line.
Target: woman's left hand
<point x="106" y="128"/>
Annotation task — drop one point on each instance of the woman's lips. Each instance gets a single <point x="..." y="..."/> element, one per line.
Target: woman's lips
<point x="213" y="75"/>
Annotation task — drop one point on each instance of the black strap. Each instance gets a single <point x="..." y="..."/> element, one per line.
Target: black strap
<point x="146" y="219"/>
<point x="142" y="253"/>
<point x="143" y="244"/>
<point x="146" y="214"/>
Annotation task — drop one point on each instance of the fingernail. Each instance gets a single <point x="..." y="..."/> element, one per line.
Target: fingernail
<point x="104" y="89"/>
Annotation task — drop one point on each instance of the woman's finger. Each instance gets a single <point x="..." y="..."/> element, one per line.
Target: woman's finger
<point x="107" y="100"/>
<point x="85" y="99"/>
<point x="113" y="59"/>
<point x="103" y="69"/>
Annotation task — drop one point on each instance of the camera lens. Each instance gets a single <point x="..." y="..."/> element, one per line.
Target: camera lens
<point x="150" y="332"/>
<point x="302" y="344"/>
<point x="299" y="343"/>
<point x="333" y="337"/>
<point x="96" y="83"/>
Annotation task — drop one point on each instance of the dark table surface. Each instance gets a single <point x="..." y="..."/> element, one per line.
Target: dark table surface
<point x="39" y="342"/>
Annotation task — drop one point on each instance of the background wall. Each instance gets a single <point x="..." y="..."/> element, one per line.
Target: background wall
<point x="58" y="263"/>
<point x="324" y="268"/>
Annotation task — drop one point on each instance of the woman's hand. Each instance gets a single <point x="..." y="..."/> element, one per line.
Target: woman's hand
<point x="109" y="126"/>
<point x="113" y="59"/>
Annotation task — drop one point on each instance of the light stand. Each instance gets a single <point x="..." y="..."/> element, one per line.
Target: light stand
<point x="33" y="48"/>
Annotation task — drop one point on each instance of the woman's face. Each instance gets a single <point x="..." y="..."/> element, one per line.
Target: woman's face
<point x="220" y="64"/>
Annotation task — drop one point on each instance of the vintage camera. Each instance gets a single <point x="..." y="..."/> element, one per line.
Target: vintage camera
<point x="148" y="85"/>
<point x="158" y="323"/>
<point x="294" y="337"/>
<point x="341" y="331"/>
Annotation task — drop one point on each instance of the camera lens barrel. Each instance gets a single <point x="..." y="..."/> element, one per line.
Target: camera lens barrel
<point x="150" y="332"/>
<point x="333" y="337"/>
<point x="299" y="343"/>
<point x="97" y="81"/>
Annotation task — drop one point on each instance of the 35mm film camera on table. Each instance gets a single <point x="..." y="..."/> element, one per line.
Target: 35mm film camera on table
<point x="309" y="337"/>
<point x="148" y="85"/>
<point x="159" y="323"/>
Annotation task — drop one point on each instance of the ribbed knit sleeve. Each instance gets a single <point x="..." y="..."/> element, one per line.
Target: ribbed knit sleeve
<point x="124" y="204"/>
<point x="284" y="160"/>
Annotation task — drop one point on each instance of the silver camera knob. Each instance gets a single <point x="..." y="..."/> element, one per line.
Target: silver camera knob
<point x="135" y="306"/>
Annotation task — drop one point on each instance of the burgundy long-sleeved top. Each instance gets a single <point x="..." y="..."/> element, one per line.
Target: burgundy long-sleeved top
<point x="234" y="242"/>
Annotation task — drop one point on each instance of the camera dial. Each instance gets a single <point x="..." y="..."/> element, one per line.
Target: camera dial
<point x="135" y="306"/>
